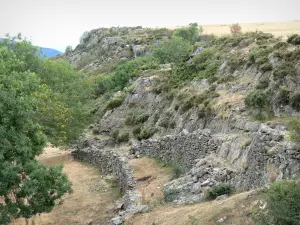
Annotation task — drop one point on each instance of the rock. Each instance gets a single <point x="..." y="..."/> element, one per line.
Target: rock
<point x="222" y="197"/>
<point x="117" y="221"/>
<point x="222" y="220"/>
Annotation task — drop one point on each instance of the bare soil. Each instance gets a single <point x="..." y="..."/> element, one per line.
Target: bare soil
<point x="92" y="199"/>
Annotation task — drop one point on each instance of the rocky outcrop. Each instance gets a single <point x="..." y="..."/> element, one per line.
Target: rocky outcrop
<point x="110" y="162"/>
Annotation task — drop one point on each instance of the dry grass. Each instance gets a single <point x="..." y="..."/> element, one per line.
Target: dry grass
<point x="92" y="199"/>
<point x="278" y="29"/>
<point x="236" y="209"/>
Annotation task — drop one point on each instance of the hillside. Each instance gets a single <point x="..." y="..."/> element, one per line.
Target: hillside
<point x="221" y="112"/>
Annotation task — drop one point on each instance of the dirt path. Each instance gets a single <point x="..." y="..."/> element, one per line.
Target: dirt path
<point x="235" y="210"/>
<point x="91" y="201"/>
<point x="150" y="177"/>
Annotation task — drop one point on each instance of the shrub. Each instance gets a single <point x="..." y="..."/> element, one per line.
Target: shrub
<point x="283" y="96"/>
<point x="122" y="74"/>
<point x="225" y="79"/>
<point x="283" y="204"/>
<point x="115" y="102"/>
<point x="167" y="121"/>
<point x="172" y="50"/>
<point x="145" y="132"/>
<point x="256" y="100"/>
<point x="285" y="69"/>
<point x="137" y="117"/>
<point x="123" y="137"/>
<point x="235" y="29"/>
<point x="235" y="60"/>
<point x="259" y="55"/>
<point x="170" y="194"/>
<point x="217" y="190"/>
<point x="266" y="67"/>
<point x="293" y="125"/>
<point x="294" y="39"/>
<point x="263" y="83"/>
<point x="295" y="100"/>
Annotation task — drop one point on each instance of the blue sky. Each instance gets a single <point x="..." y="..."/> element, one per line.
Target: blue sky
<point x="58" y="23"/>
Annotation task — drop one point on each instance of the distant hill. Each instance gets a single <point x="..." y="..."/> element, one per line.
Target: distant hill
<point x="49" y="52"/>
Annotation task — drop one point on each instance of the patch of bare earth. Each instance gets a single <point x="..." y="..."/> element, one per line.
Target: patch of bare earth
<point x="150" y="177"/>
<point x="236" y="210"/>
<point x="92" y="199"/>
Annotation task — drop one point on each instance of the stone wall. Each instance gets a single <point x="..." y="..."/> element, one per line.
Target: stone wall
<point x="111" y="163"/>
<point x="246" y="160"/>
<point x="180" y="149"/>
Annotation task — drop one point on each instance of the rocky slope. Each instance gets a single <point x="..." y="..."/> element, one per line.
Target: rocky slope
<point x="202" y="125"/>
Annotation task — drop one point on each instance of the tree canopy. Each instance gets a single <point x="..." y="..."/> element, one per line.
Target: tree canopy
<point x="40" y="101"/>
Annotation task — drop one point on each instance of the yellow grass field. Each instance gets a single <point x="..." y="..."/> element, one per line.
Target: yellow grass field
<point x="283" y="29"/>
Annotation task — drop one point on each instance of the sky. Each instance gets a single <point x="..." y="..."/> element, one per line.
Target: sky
<point x="59" y="23"/>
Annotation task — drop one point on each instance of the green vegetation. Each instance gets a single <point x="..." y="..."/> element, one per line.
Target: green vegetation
<point x="190" y="33"/>
<point x="293" y="125"/>
<point x="123" y="74"/>
<point x="259" y="55"/>
<point x="257" y="100"/>
<point x="217" y="190"/>
<point x="84" y="37"/>
<point x="170" y="194"/>
<point x="68" y="49"/>
<point x="295" y="101"/>
<point x="37" y="97"/>
<point x="143" y="132"/>
<point x="283" y="205"/>
<point x="172" y="51"/>
<point x="120" y="136"/>
<point x="283" y="70"/>
<point x="115" y="102"/>
<point x="137" y="117"/>
<point x="294" y="39"/>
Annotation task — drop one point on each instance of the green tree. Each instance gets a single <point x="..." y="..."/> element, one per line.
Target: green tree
<point x="173" y="50"/>
<point x="190" y="33"/>
<point x="26" y="187"/>
<point x="68" y="49"/>
<point x="62" y="98"/>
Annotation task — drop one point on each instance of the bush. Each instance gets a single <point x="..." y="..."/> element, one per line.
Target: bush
<point x="219" y="189"/>
<point x="295" y="100"/>
<point x="293" y="125"/>
<point x="283" y="97"/>
<point x="122" y="74"/>
<point x="137" y="117"/>
<point x="285" y="69"/>
<point x="235" y="60"/>
<point x="122" y="137"/>
<point x="256" y="100"/>
<point x="145" y="132"/>
<point x="115" y="102"/>
<point x="172" y="50"/>
<point x="266" y="67"/>
<point x="259" y="55"/>
<point x="235" y="29"/>
<point x="167" y="121"/>
<point x="294" y="39"/>
<point x="263" y="83"/>
<point x="170" y="194"/>
<point x="283" y="204"/>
